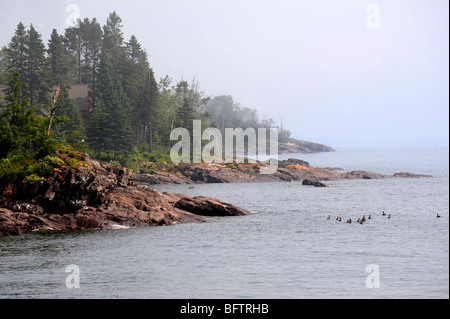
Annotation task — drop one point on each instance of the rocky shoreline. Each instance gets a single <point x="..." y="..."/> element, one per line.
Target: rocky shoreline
<point x="98" y="195"/>
<point x="305" y="147"/>
<point x="288" y="171"/>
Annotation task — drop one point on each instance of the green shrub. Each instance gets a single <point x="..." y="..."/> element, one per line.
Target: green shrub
<point x="32" y="179"/>
<point x="115" y="163"/>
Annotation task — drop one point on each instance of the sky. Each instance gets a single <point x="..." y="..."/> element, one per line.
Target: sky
<point x="345" y="73"/>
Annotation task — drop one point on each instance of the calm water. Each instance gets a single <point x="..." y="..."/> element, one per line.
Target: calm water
<point x="286" y="249"/>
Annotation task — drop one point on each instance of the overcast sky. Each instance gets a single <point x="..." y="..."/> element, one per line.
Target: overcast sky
<point x="346" y="73"/>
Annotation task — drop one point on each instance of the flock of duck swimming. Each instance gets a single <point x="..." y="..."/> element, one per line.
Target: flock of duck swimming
<point x="364" y="219"/>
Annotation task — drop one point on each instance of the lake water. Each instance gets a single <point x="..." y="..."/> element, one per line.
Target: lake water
<point x="286" y="249"/>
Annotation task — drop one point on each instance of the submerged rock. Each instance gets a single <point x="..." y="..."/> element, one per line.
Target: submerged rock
<point x="308" y="182"/>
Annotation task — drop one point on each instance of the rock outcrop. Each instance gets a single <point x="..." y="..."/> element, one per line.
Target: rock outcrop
<point x="299" y="146"/>
<point x="308" y="182"/>
<point x="288" y="170"/>
<point x="98" y="195"/>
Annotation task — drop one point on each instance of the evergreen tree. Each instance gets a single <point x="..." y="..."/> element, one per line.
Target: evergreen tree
<point x="73" y="44"/>
<point x="16" y="52"/>
<point x="68" y="130"/>
<point x="113" y="36"/>
<point x="190" y="104"/>
<point x="185" y="114"/>
<point x="26" y="55"/>
<point x="141" y="87"/>
<point x="98" y="130"/>
<point x="3" y="65"/>
<point x="149" y="107"/>
<point x="113" y="133"/>
<point x="36" y="71"/>
<point x="58" y="59"/>
<point x="94" y="44"/>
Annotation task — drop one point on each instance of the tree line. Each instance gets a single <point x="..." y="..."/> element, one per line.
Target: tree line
<point x="132" y="114"/>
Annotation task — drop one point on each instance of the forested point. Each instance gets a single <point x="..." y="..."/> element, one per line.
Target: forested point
<point x="131" y="114"/>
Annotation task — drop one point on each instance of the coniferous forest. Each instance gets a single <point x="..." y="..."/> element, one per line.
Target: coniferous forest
<point x="131" y="112"/>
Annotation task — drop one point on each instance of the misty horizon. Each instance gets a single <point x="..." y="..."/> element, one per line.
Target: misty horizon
<point x="348" y="74"/>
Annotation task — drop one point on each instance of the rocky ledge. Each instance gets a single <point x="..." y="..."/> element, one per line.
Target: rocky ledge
<point x="305" y="147"/>
<point x="98" y="195"/>
<point x="288" y="170"/>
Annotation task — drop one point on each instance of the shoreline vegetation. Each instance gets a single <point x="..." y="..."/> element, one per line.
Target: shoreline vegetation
<point x="119" y="112"/>
<point x="99" y="195"/>
<point x="46" y="185"/>
<point x="56" y="175"/>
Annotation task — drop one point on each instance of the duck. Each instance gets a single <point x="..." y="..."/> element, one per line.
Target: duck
<point x="389" y="216"/>
<point x="361" y="222"/>
<point x="384" y="214"/>
<point x="364" y="218"/>
<point x="438" y="216"/>
<point x="340" y="219"/>
<point x="370" y="217"/>
<point x="329" y="217"/>
<point x="349" y="221"/>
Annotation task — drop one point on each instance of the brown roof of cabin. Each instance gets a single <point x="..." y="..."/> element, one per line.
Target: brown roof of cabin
<point x="77" y="92"/>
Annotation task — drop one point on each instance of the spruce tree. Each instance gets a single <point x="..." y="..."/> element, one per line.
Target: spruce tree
<point x="94" y="44"/>
<point x="26" y="55"/>
<point x="35" y="77"/>
<point x="58" y="59"/>
<point x="16" y="53"/>
<point x="70" y="130"/>
<point x="113" y="133"/>
<point x="3" y="65"/>
<point x="73" y="44"/>
<point x="98" y="131"/>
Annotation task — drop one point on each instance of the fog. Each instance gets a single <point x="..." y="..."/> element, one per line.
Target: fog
<point x="347" y="73"/>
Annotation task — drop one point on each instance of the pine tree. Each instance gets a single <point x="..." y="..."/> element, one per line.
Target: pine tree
<point x="16" y="53"/>
<point x="190" y="104"/>
<point x="150" y="104"/>
<point x="113" y="36"/>
<point x="70" y="130"/>
<point x="98" y="131"/>
<point x="94" y="44"/>
<point x="26" y="55"/>
<point x="17" y="50"/>
<point x="73" y="44"/>
<point x="110" y="128"/>
<point x="36" y="71"/>
<point x="141" y="87"/>
<point x="58" y="59"/>
<point x="3" y="65"/>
